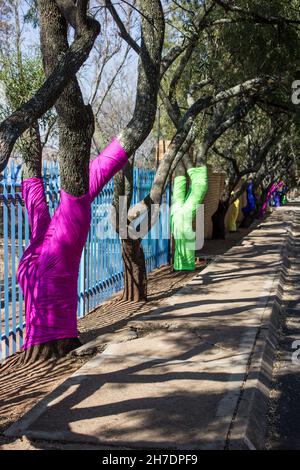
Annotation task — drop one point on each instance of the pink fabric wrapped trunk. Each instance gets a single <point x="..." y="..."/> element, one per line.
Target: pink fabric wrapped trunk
<point x="48" y="271"/>
<point x="272" y="190"/>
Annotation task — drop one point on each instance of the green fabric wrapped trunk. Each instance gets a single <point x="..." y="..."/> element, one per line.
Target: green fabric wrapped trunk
<point x="183" y="213"/>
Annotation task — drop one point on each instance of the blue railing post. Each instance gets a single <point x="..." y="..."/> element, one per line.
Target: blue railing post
<point x="13" y="256"/>
<point x="21" y="220"/>
<point x="6" y="264"/>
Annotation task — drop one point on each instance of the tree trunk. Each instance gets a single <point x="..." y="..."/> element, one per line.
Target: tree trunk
<point x="247" y="221"/>
<point x="49" y="351"/>
<point x="135" y="275"/>
<point x="218" y="219"/>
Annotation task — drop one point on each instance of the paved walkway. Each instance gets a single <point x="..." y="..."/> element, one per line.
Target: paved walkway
<point x="285" y="404"/>
<point x="178" y="384"/>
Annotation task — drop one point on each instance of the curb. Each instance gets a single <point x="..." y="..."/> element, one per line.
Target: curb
<point x="248" y="429"/>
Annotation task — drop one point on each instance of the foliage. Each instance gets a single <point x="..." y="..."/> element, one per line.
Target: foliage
<point x="231" y="49"/>
<point x="21" y="72"/>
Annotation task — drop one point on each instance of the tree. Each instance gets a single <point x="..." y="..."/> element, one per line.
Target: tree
<point x="109" y="81"/>
<point x="279" y="164"/>
<point x="184" y="136"/>
<point x="51" y="322"/>
<point x="221" y="121"/>
<point x="244" y="157"/>
<point x="272" y="31"/>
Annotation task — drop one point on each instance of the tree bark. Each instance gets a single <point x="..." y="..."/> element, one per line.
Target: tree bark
<point x="218" y="219"/>
<point x="75" y="120"/>
<point x="49" y="351"/>
<point x="135" y="276"/>
<point x="247" y="221"/>
<point x="152" y="37"/>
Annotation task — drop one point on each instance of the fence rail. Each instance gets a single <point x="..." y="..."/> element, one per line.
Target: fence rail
<point x="101" y="269"/>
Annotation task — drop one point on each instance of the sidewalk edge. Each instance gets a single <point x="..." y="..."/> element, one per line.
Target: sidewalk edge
<point x="249" y="425"/>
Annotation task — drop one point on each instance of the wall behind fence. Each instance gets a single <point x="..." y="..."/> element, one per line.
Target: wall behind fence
<point x="101" y="268"/>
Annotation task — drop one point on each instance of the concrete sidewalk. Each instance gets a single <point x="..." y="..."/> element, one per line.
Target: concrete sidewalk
<point x="284" y="427"/>
<point x="190" y="379"/>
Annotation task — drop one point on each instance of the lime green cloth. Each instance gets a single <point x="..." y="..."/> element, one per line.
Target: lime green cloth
<point x="184" y="209"/>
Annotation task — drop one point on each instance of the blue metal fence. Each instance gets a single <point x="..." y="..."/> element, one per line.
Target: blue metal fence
<point x="101" y="269"/>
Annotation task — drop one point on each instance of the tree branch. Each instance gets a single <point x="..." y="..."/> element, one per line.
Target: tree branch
<point x="229" y="5"/>
<point x="75" y="119"/>
<point x="217" y="130"/>
<point x="184" y="138"/>
<point x="153" y="30"/>
<point x="123" y="31"/>
<point x="67" y="66"/>
<point x="228" y="158"/>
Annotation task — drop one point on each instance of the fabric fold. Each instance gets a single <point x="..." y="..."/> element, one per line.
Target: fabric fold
<point x="48" y="271"/>
<point x="183" y="212"/>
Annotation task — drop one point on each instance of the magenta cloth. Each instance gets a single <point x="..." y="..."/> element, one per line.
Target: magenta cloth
<point x="48" y="271"/>
<point x="272" y="190"/>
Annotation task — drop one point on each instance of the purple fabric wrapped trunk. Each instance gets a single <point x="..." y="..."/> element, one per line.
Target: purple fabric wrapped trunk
<point x="251" y="205"/>
<point x="48" y="271"/>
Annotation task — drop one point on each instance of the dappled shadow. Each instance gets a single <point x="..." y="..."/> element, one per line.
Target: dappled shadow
<point x="175" y="392"/>
<point x="114" y="315"/>
<point x="21" y="387"/>
<point x="250" y="264"/>
<point x="172" y="400"/>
